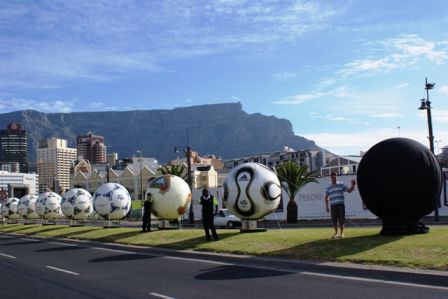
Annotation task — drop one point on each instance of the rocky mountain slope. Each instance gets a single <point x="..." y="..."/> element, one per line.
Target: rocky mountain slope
<point x="220" y="129"/>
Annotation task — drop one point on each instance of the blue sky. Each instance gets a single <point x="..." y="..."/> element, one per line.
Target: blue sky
<point x="347" y="74"/>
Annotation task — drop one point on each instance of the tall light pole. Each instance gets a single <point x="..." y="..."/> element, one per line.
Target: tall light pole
<point x="189" y="179"/>
<point x="141" y="174"/>
<point x="426" y="105"/>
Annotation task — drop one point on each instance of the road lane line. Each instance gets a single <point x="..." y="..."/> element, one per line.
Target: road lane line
<point x="198" y="260"/>
<point x="408" y="284"/>
<point x="63" y="244"/>
<point x="7" y="255"/>
<point x="113" y="250"/>
<point x="33" y="240"/>
<point x="62" y="270"/>
<point x="160" y="295"/>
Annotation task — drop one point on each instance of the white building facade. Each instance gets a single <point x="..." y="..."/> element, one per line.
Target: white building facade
<point x="54" y="159"/>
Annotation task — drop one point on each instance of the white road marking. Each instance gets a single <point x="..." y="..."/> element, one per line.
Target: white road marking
<point x="7" y="255"/>
<point x="198" y="260"/>
<point x="33" y="240"/>
<point x="375" y="280"/>
<point x="160" y="296"/>
<point x="113" y="250"/>
<point x="62" y="270"/>
<point x="63" y="244"/>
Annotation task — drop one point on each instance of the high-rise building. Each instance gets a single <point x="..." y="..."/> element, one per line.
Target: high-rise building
<point x="14" y="146"/>
<point x="54" y="159"/>
<point x="91" y="147"/>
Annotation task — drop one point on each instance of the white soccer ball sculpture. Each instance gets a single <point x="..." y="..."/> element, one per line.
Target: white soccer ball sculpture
<point x="77" y="204"/>
<point x="27" y="207"/>
<point x="251" y="191"/>
<point x="111" y="201"/>
<point x="9" y="208"/>
<point x="170" y="196"/>
<point x="48" y="205"/>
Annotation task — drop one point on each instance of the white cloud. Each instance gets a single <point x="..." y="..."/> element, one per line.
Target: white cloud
<point x="401" y="85"/>
<point x="349" y="143"/>
<point x="12" y="104"/>
<point x="342" y="119"/>
<point x="283" y="76"/>
<point x="443" y="89"/>
<point x="102" y="40"/>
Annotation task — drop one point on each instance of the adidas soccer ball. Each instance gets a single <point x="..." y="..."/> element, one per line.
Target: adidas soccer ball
<point x="27" y="207"/>
<point x="77" y="204"/>
<point x="112" y="201"/>
<point x="9" y="208"/>
<point x="48" y="205"/>
<point x="251" y="191"/>
<point x="170" y="196"/>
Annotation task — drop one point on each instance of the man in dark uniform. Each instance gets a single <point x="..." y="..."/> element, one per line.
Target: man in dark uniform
<point x="147" y="215"/>
<point x="209" y="209"/>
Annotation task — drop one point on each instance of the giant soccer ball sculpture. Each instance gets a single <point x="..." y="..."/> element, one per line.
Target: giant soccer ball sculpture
<point x="9" y="209"/>
<point x="48" y="205"/>
<point x="27" y="207"/>
<point x="77" y="204"/>
<point x="170" y="197"/>
<point x="111" y="201"/>
<point x="251" y="191"/>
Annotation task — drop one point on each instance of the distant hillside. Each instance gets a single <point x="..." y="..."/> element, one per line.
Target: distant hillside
<point x="221" y="129"/>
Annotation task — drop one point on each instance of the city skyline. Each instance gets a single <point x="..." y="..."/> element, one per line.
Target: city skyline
<point x="346" y="74"/>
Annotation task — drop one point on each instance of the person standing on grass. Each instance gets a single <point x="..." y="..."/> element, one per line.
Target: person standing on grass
<point x="209" y="210"/>
<point x="146" y="226"/>
<point x="335" y="197"/>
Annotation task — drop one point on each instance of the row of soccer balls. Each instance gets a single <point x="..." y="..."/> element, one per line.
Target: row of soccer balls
<point x="110" y="201"/>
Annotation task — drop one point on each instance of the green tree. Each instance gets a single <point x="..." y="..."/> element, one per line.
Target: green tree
<point x="292" y="178"/>
<point x="178" y="170"/>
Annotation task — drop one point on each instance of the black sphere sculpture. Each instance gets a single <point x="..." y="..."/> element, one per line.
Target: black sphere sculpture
<point x="400" y="181"/>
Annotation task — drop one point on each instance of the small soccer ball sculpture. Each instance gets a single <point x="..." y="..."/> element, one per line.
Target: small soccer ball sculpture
<point x="10" y="208"/>
<point x="48" y="205"/>
<point x="27" y="207"/>
<point x="77" y="204"/>
<point x="170" y="197"/>
<point x="251" y="191"/>
<point x="111" y="201"/>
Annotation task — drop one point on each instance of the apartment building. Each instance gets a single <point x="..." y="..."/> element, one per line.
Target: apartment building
<point x="54" y="160"/>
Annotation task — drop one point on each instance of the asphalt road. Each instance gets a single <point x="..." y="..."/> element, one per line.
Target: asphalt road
<point x="46" y="268"/>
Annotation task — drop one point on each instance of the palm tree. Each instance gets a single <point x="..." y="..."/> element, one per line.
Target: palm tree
<point x="293" y="177"/>
<point x="178" y="170"/>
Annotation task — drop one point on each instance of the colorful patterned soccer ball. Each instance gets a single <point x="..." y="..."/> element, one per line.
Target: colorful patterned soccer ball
<point x="10" y="208"/>
<point x="48" y="205"/>
<point x="27" y="207"/>
<point x="251" y="191"/>
<point x="112" y="201"/>
<point x="77" y="204"/>
<point x="170" y="197"/>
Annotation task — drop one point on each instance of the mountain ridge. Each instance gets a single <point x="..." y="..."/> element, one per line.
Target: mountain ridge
<point x="221" y="129"/>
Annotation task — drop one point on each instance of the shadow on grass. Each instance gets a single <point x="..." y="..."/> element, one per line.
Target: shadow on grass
<point x="18" y="227"/>
<point x="333" y="250"/>
<point x="69" y="235"/>
<point x="118" y="236"/>
<point x="238" y="272"/>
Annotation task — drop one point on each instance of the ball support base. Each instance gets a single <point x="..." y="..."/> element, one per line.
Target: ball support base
<point x="251" y="226"/>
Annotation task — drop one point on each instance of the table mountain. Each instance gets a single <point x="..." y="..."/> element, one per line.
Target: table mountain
<point x="220" y="129"/>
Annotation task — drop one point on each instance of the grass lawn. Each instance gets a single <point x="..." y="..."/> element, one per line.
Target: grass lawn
<point x="361" y="245"/>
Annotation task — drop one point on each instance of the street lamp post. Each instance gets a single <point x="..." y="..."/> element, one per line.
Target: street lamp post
<point x="189" y="180"/>
<point x="141" y="175"/>
<point x="426" y="105"/>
